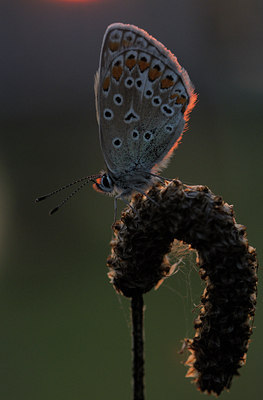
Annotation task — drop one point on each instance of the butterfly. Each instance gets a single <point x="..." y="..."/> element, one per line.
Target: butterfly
<point x="143" y="100"/>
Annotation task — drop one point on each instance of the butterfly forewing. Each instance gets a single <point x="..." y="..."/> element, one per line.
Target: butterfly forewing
<point x="143" y="97"/>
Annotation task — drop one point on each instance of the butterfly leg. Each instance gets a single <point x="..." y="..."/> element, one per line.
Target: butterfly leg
<point x="161" y="177"/>
<point x="121" y="197"/>
<point x="148" y="197"/>
<point x="129" y="205"/>
<point x="115" y="209"/>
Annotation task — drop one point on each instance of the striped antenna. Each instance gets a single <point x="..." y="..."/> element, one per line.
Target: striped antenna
<point x="55" y="209"/>
<point x="86" y="180"/>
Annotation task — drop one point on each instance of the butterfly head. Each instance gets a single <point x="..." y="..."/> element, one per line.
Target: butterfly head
<point x="104" y="184"/>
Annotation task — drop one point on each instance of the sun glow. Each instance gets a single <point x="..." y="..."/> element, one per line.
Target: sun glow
<point x="76" y="1"/>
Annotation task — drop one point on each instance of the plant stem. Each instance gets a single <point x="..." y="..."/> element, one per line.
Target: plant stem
<point x="137" y="348"/>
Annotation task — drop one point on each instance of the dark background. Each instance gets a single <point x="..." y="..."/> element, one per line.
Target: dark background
<point x="64" y="333"/>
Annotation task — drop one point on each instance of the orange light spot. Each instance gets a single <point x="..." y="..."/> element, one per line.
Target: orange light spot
<point x="114" y="46"/>
<point x="117" y="72"/>
<point x="192" y="373"/>
<point x="154" y="74"/>
<point x="159" y="283"/>
<point x="130" y="63"/>
<point x="190" y="360"/>
<point x="106" y="83"/>
<point x="166" y="83"/>
<point x="75" y="1"/>
<point x="143" y="65"/>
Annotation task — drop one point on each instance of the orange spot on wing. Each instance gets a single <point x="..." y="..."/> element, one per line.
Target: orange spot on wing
<point x="179" y="100"/>
<point x="154" y="74"/>
<point x="106" y="83"/>
<point x="143" y="65"/>
<point x="166" y="83"/>
<point x="117" y="72"/>
<point x="126" y="43"/>
<point x="114" y="46"/>
<point x="130" y="63"/>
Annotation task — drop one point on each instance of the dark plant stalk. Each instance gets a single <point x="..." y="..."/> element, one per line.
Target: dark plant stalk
<point x="137" y="348"/>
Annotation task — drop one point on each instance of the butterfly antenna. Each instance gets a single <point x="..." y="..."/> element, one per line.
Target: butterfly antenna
<point x="55" y="209"/>
<point x="85" y="178"/>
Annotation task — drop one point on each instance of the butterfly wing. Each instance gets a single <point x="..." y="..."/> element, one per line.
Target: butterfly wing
<point x="143" y="97"/>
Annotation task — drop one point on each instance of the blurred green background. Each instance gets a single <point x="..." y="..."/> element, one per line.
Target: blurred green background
<point x="65" y="333"/>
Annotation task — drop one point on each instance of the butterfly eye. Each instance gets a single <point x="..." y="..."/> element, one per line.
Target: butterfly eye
<point x="117" y="143"/>
<point x="103" y="184"/>
<point x="156" y="101"/>
<point x="166" y="110"/>
<point x="129" y="82"/>
<point x="108" y="114"/>
<point x="147" y="136"/>
<point x="148" y="94"/>
<point x="118" y="99"/>
<point x="106" y="182"/>
<point x="135" y="134"/>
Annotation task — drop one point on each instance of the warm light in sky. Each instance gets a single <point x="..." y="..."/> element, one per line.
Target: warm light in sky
<point x="77" y="1"/>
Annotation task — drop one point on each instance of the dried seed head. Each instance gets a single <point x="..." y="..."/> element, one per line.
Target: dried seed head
<point x="228" y="265"/>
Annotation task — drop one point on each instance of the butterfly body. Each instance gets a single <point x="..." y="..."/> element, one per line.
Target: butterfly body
<point x="143" y="98"/>
<point x="124" y="184"/>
